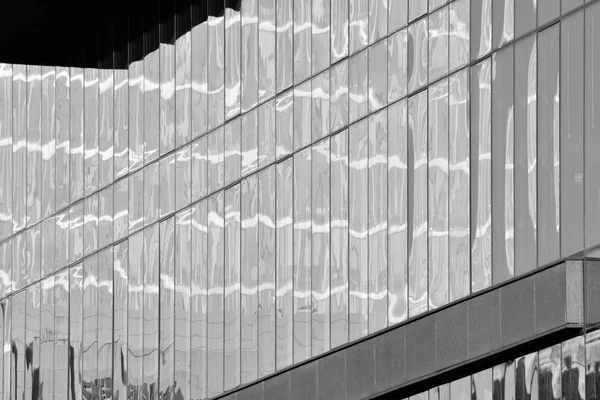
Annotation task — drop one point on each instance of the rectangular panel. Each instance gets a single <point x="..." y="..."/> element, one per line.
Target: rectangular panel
<point x="525" y="16"/>
<point x="106" y="127"/>
<point x="266" y="136"/>
<point x="417" y="59"/>
<point x="417" y="205"/>
<point x="105" y="217"/>
<point x="61" y="231"/>
<point x="481" y="28"/>
<point x="438" y="44"/>
<point x="34" y="256"/>
<point x="105" y="322"/>
<point x="378" y="76"/>
<point x="503" y="22"/>
<point x="121" y="209"/>
<point x="167" y="309"/>
<point x="136" y="201"/>
<point x="358" y="86"/>
<point x="232" y="62"/>
<point x="76" y="220"/>
<point x="151" y="106"/>
<point x="571" y="136"/>
<point x="19" y="147"/>
<point x="378" y="221"/>
<point x="250" y="52"/>
<point x="284" y="44"/>
<point x="251" y="222"/>
<point x="89" y="339"/>
<point x="378" y="20"/>
<point x="90" y="224"/>
<point x="183" y="236"/>
<point x="76" y="144"/>
<point x="167" y="97"/>
<point x="32" y="341"/>
<point x="321" y="42"/>
<point x="547" y="11"/>
<point x="339" y="239"/>
<point x="151" y="311"/>
<point x="6" y="150"/>
<point x="302" y="115"/>
<point x="135" y="316"/>
<point x="63" y="82"/>
<point x="6" y="261"/>
<point x="233" y="159"/>
<point x="284" y="124"/>
<point x="60" y="365"/>
<point x="48" y="143"/>
<point x="321" y="243"/>
<point x="548" y="146"/>
<point x="359" y="24"/>
<point x="265" y="301"/>
<point x="19" y="260"/>
<point x="199" y="168"/>
<point x="573" y="370"/>
<point x="6" y="357"/>
<point x="459" y="187"/>
<point x="136" y="115"/>
<point x="397" y="65"/>
<point x="338" y="105"/>
<point x="121" y="115"/>
<point x="266" y="49"/>
<point x="90" y="131"/>
<point x="482" y="384"/>
<point x="284" y="261"/>
<point x="416" y="8"/>
<point x="183" y="177"/>
<point x="199" y="69"/>
<point x="339" y="29"/>
<point x="216" y="66"/>
<point x="216" y="159"/>
<point x="18" y="346"/>
<point x="199" y="282"/>
<point x="459" y="34"/>
<point x="216" y="281"/>
<point x="75" y="331"/>
<point x="47" y="247"/>
<point x="525" y="155"/>
<point x="120" y="298"/>
<point x="358" y="158"/>
<point x="397" y="14"/>
<point x="302" y="39"/>
<point x="320" y="106"/>
<point x="302" y="255"/>
<point x="167" y="185"/>
<point x="550" y="370"/>
<point x="34" y="142"/>
<point x="481" y="176"/>
<point x="592" y="357"/>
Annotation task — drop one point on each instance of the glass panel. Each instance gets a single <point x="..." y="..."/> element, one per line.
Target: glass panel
<point x="105" y="217"/>
<point x="417" y="58"/>
<point x="592" y="358"/>
<point x="62" y="231"/>
<point x="302" y="115"/>
<point x="19" y="143"/>
<point x="233" y="157"/>
<point x="167" y="185"/>
<point x="548" y="146"/>
<point x="167" y="98"/>
<point x="151" y="106"/>
<point x="266" y="137"/>
<point x="216" y="160"/>
<point x="397" y="65"/>
<point x="358" y="89"/>
<point x="46" y="339"/>
<point x="199" y="168"/>
<point x="183" y="177"/>
<point x="121" y="209"/>
<point x="76" y="232"/>
<point x="89" y="339"/>
<point x="18" y="346"/>
<point x="503" y="22"/>
<point x="266" y="49"/>
<point x="458" y="175"/>
<point x="183" y="253"/>
<point x="216" y="281"/>
<point x="167" y="309"/>
<point x="443" y="393"/>
<point x="6" y="386"/>
<point x="249" y="310"/>
<point x="265" y="305"/>
<point x="136" y="114"/>
<point x="378" y="220"/>
<point x="503" y="247"/>
<point x="6" y="260"/>
<point x="62" y="137"/>
<point x="549" y="375"/>
<point x="47" y="249"/>
<point x="573" y="368"/>
<point x="481" y="28"/>
<point x="249" y="147"/>
<point x="547" y="10"/>
<point x="135" y="316"/>
<point x="397" y="14"/>
<point x="199" y="68"/>
<point x="320" y="270"/>
<point x="481" y="175"/>
<point x="482" y="383"/>
<point x="359" y="25"/>
<point x="397" y="212"/>
<point x="302" y="39"/>
<point x="438" y="44"/>
<point x="416" y="8"/>
<point x="34" y="141"/>
<point x="438" y="242"/>
<point x="571" y="137"/>
<point x="183" y="88"/>
<point x="48" y="143"/>
<point x="339" y="30"/>
<point x="90" y="131"/>
<point x="75" y="331"/>
<point x="90" y="224"/>
<point x="61" y="341"/>
<point x="216" y="66"/>
<point x="34" y="256"/>
<point x="320" y="106"/>
<point x="284" y="274"/>
<point x="459" y="34"/>
<point x="284" y="124"/>
<point x="151" y="310"/>
<point x="417" y="204"/>
<point x="199" y="284"/>
<point x="321" y="42"/>
<point x="250" y="49"/>
<point x="105" y="323"/>
<point x="121" y="110"/>
<point x="358" y="155"/>
<point x="19" y="259"/>
<point x="338" y="106"/>
<point x="6" y="150"/>
<point x="526" y="377"/>
<point x="121" y="297"/>
<point x="525" y="16"/>
<point x="339" y="239"/>
<point x="302" y="255"/>
<point x="284" y="45"/>
<point x="378" y="20"/>
<point x="32" y="341"/>
<point x="232" y="62"/>
<point x="378" y="76"/>
<point x="136" y="201"/>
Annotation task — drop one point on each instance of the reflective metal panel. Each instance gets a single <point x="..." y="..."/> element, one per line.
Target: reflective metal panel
<point x="6" y="260"/>
<point x="151" y="193"/>
<point x="183" y="105"/>
<point x="48" y="143"/>
<point x="34" y="256"/>
<point x="358" y="86"/>
<point x="62" y="239"/>
<point x="417" y="204"/>
<point x="284" y="124"/>
<point x="19" y="260"/>
<point x="438" y="44"/>
<point x="547" y="10"/>
<point x="46" y="339"/>
<point x="302" y="115"/>
<point x="233" y="156"/>
<point x="183" y="253"/>
<point x="75" y="332"/>
<point x="89" y="338"/>
<point x="482" y="383"/>
<point x="250" y="50"/>
<point x="358" y="159"/>
<point x="19" y="148"/>
<point x="592" y="357"/>
<point x="378" y="20"/>
<point x="266" y="49"/>
<point x="417" y="59"/>
<point x="200" y="73"/>
<point x="61" y="342"/>
<point x="397" y="14"/>
<point x="167" y="95"/>
<point x="481" y="175"/>
<point x="339" y="29"/>
<point x="265" y="306"/>
<point x="284" y="275"/>
<point x="121" y="115"/>
<point x="550" y="373"/>
<point x="6" y="385"/>
<point x="266" y="135"/>
<point x="105" y="323"/>
<point x="90" y="131"/>
<point x="459" y="34"/>
<point x="216" y="159"/>
<point x="338" y="106"/>
<point x="167" y="185"/>
<point x="216" y="282"/>
<point x="18" y="346"/>
<point x="47" y="248"/>
<point x="135" y="316"/>
<point x="525" y="16"/>
<point x="183" y="177"/>
<point x="359" y="24"/>
<point x="321" y="38"/>
<point x="151" y="312"/>
<point x="320" y="106"/>
<point x="105" y="127"/>
<point x="459" y="205"/>
<point x="167" y="309"/>
<point x="136" y="115"/>
<point x="63" y="82"/>
<point x="199" y="168"/>
<point x="416" y="8"/>
<point x="32" y="341"/>
<point x="6" y="150"/>
<point x="378" y="75"/>
<point x="120" y="298"/>
<point x="302" y="39"/>
<point x="438" y="223"/>
<point x="503" y="22"/>
<point x="232" y="62"/>
<point x="34" y="144"/>
<point x="481" y="28"/>
<point x="397" y="65"/>
<point x="151" y="106"/>
<point x="90" y="224"/>
<point x="573" y="368"/>
<point x="76" y="232"/>
<point x="284" y="44"/>
<point x="136" y="201"/>
<point x="121" y="209"/>
<point x="443" y="393"/>
<point x="216" y="66"/>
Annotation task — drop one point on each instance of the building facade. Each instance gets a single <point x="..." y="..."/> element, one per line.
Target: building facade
<point x="301" y="199"/>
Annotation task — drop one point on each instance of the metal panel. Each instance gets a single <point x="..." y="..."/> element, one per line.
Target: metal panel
<point x="106" y="129"/>
<point x="89" y="339"/>
<point x="75" y="331"/>
<point x="48" y="144"/>
<point x="250" y="52"/>
<point x="232" y="62"/>
<point x="151" y="311"/>
<point x="151" y="106"/>
<point x="90" y="131"/>
<point x="6" y="151"/>
<point x="216" y="281"/>
<point x="19" y="148"/>
<point x="34" y="144"/>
